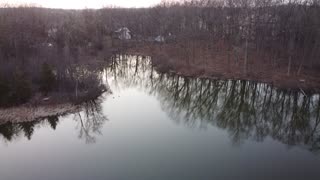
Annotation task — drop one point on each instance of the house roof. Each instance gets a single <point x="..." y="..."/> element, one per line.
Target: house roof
<point x="123" y="29"/>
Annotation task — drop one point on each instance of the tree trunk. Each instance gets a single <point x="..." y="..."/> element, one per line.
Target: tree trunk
<point x="299" y="70"/>
<point x="246" y="57"/>
<point x="289" y="65"/>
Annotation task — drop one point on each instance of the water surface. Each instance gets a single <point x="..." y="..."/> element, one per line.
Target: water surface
<point x="162" y="126"/>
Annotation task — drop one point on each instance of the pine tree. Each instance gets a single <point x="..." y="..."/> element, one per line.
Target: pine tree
<point x="4" y="91"/>
<point x="21" y="88"/>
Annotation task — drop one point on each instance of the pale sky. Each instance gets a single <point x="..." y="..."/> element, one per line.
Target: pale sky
<point x="80" y="4"/>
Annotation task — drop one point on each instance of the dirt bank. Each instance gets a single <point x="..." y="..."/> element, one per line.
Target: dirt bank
<point x="29" y="113"/>
<point x="40" y="107"/>
<point x="197" y="60"/>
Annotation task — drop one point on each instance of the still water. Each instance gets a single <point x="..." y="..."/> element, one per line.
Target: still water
<point x="162" y="126"/>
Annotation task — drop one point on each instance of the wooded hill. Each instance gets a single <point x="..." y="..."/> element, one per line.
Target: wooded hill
<point x="288" y="31"/>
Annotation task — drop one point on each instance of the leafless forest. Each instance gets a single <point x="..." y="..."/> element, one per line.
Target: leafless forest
<point x="51" y="51"/>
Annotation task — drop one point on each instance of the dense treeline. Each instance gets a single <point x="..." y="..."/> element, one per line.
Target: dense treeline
<point x="41" y="51"/>
<point x="285" y="29"/>
<point x="286" y="32"/>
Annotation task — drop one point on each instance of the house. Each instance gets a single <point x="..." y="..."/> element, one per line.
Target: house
<point x="159" y="38"/>
<point x="166" y="38"/>
<point x="170" y="38"/>
<point x="123" y="33"/>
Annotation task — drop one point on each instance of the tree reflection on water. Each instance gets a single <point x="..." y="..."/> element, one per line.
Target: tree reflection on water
<point x="90" y="120"/>
<point x="246" y="109"/>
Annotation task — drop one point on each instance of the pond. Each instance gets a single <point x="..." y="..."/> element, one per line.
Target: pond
<point x="165" y="126"/>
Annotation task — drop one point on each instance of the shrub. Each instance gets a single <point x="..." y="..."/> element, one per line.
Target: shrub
<point x="4" y="91"/>
<point x="21" y="88"/>
<point x="47" y="79"/>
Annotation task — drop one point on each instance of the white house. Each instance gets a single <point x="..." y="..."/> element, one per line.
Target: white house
<point x="159" y="38"/>
<point x="123" y="33"/>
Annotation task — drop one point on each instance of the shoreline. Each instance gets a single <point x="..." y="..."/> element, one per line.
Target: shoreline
<point x="289" y="85"/>
<point x="25" y="113"/>
<point x="219" y="68"/>
<point x="40" y="108"/>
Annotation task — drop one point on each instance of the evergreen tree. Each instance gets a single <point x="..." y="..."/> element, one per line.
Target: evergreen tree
<point x="48" y="79"/>
<point x="21" y="88"/>
<point x="4" y="91"/>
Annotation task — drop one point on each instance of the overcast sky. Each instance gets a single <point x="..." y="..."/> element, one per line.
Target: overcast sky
<point x="80" y="4"/>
